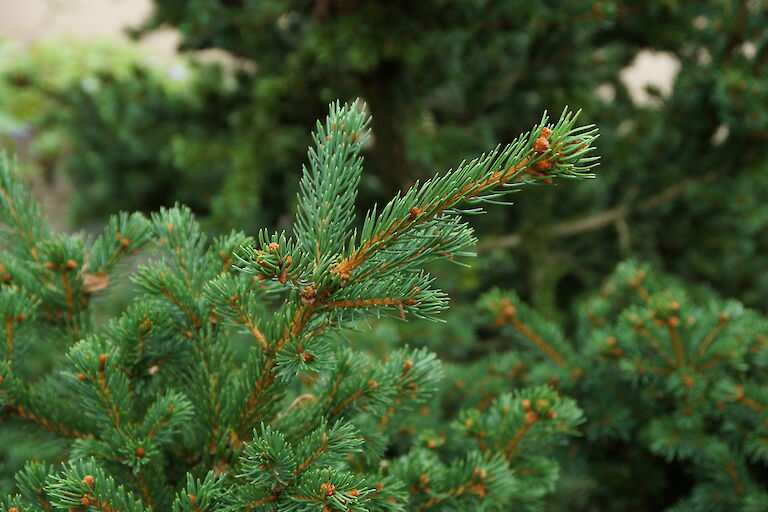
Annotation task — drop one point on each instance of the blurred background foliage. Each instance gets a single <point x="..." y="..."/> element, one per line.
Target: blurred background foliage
<point x="684" y="172"/>
<point x="444" y="80"/>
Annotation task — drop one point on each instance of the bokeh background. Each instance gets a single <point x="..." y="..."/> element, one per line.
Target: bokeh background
<point x="134" y="104"/>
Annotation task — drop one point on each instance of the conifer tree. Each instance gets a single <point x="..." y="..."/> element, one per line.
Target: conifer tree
<point x="226" y="386"/>
<point x="673" y="385"/>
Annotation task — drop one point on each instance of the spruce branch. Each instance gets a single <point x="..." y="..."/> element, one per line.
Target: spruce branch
<point x="328" y="189"/>
<point x="328" y="414"/>
<point x="84" y="485"/>
<point x="411" y="230"/>
<point x="545" y="152"/>
<point x="20" y="215"/>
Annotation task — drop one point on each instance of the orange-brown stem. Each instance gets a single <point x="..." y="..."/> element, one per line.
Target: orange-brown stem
<point x="365" y="303"/>
<point x="537" y="340"/>
<point x="27" y="415"/>
<point x="361" y="254"/>
<point x="677" y="344"/>
<point x="512" y="445"/>
<point x="248" y="323"/>
<point x="711" y="336"/>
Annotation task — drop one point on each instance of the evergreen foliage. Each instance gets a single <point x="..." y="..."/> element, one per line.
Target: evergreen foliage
<point x="673" y="385"/>
<point x="226" y="386"/>
<point x="444" y="80"/>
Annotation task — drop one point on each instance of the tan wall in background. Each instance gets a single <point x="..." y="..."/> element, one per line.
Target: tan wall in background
<point x="30" y="20"/>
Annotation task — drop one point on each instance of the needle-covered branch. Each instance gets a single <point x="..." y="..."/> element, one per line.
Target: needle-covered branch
<point x="226" y="384"/>
<point x="695" y="365"/>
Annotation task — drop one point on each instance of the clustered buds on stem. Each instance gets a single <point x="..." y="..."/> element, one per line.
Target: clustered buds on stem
<point x="508" y="310"/>
<point x="542" y="145"/>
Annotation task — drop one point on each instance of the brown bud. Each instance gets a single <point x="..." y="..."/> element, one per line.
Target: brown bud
<point x="262" y="277"/>
<point x="372" y="383"/>
<point x="1" y="379"/>
<point x="542" y="165"/>
<point x="354" y="492"/>
<point x="526" y="404"/>
<point x="611" y="341"/>
<point x="541" y="145"/>
<point x="125" y="242"/>
<point x="81" y="376"/>
<point x="102" y="361"/>
<point x="49" y="265"/>
<point x="71" y="264"/>
<point x="617" y="352"/>
<point x="551" y="415"/>
<point x="531" y="417"/>
<point x="542" y="403"/>
<point x="88" y="481"/>
<point x="328" y="489"/>
<point x="674" y="305"/>
<point x="140" y="452"/>
<point x="308" y="357"/>
<point x="545" y="132"/>
<point x="507" y="309"/>
<point x="407" y="366"/>
<point x="21" y="317"/>
<point x="273" y="246"/>
<point x="282" y="278"/>
<point x="192" y="498"/>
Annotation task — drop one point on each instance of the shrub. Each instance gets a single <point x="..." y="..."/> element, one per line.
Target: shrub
<point x="168" y="407"/>
<point x="673" y="384"/>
